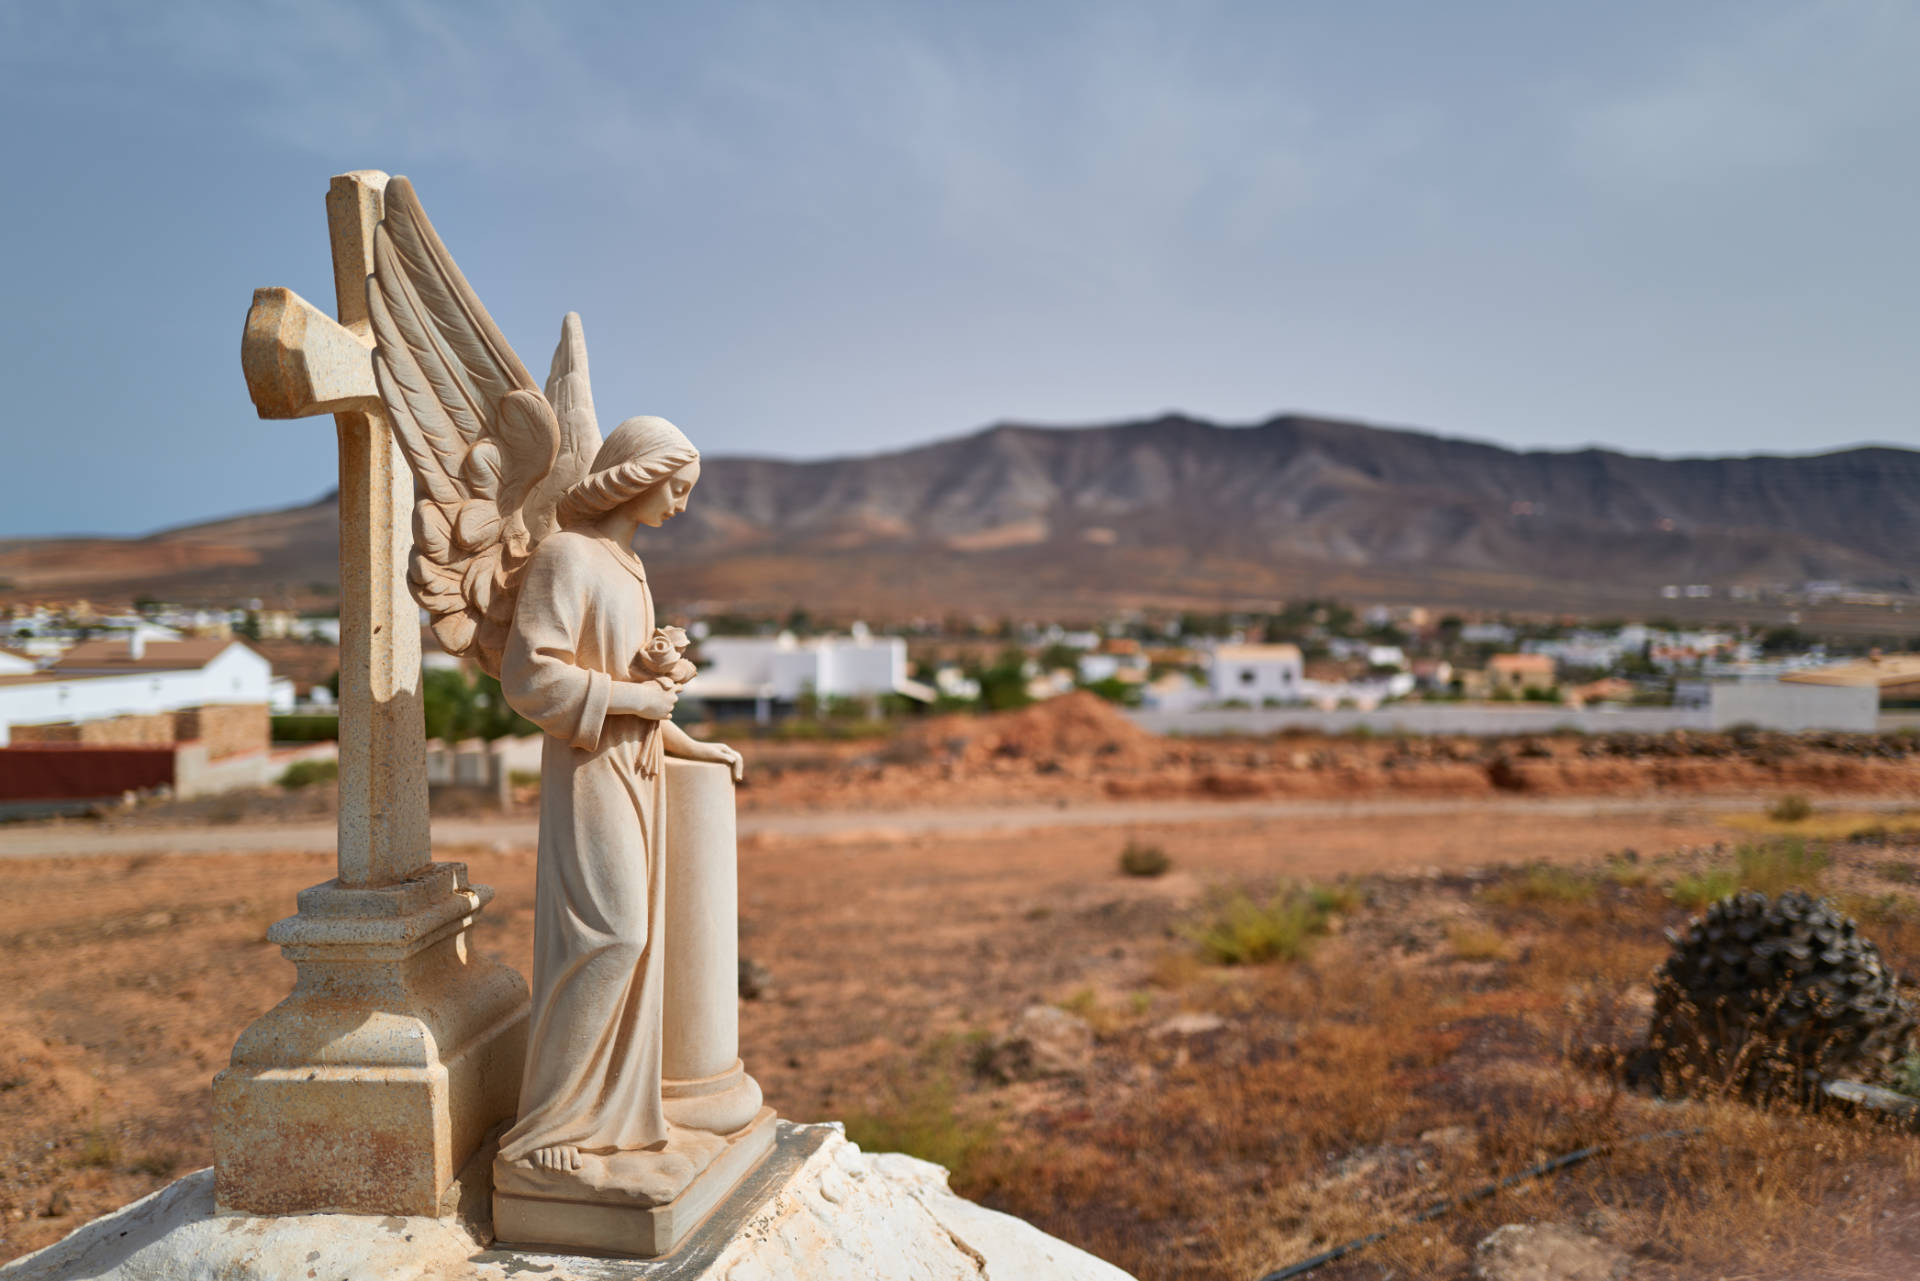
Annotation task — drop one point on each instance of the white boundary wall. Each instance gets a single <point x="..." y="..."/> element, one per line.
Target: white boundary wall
<point x="1767" y="705"/>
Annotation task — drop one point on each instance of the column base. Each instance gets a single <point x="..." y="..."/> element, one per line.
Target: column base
<point x="398" y="1050"/>
<point x="616" y="1220"/>
<point x="719" y="1104"/>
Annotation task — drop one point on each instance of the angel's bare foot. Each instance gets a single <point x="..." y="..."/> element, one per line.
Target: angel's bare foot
<point x="562" y="1158"/>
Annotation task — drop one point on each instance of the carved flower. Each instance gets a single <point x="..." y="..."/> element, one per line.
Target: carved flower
<point x="663" y="656"/>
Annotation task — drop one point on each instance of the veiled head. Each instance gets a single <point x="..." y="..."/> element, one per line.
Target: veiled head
<point x="638" y="456"/>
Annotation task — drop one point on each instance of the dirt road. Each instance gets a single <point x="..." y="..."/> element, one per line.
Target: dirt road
<point x="78" y="840"/>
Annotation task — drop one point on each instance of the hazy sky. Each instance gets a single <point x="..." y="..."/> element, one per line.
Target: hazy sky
<point x="804" y="229"/>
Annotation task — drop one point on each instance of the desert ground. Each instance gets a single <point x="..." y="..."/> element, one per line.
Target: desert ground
<point x="948" y="957"/>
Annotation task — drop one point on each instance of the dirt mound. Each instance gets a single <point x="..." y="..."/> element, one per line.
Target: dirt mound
<point x="1071" y="726"/>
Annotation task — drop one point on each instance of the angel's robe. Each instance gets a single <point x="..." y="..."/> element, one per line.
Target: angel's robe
<point x="592" y="1075"/>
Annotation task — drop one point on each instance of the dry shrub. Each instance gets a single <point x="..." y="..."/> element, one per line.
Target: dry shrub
<point x="921" y="1119"/>
<point x="1777" y="866"/>
<point x="1139" y="859"/>
<point x="1695" y="891"/>
<point x="1236" y="929"/>
<point x="1474" y="941"/>
<point x="1791" y="808"/>
<point x="97" y="1150"/>
<point x="1541" y="885"/>
<point x="1769" y="867"/>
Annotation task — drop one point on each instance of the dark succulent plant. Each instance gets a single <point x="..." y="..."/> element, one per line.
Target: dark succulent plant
<point x="1775" y="996"/>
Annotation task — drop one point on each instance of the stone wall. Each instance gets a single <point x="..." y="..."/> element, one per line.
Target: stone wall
<point x="227" y="729"/>
<point x="155" y="730"/>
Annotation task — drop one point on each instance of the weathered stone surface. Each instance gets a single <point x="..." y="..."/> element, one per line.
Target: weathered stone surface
<point x="1546" y="1252"/>
<point x="832" y="1212"/>
<point x="374" y="1081"/>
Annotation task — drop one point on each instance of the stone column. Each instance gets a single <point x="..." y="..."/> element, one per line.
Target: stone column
<point x="706" y="1086"/>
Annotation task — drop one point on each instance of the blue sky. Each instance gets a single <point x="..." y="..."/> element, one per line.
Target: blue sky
<point x="807" y="229"/>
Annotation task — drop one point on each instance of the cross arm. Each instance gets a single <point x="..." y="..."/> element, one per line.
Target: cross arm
<point x="299" y="361"/>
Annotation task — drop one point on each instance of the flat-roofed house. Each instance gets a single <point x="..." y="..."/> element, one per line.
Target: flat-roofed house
<point x="1256" y="673"/>
<point x="1895" y="676"/>
<point x="1518" y="673"/>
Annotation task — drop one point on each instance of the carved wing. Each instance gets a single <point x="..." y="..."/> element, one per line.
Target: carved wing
<point x="572" y="400"/>
<point x="474" y="428"/>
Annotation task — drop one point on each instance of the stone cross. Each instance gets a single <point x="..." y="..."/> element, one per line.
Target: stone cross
<point x="299" y="363"/>
<point x="377" y="1080"/>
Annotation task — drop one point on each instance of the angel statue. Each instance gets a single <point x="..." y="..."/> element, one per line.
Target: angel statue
<point x="523" y="560"/>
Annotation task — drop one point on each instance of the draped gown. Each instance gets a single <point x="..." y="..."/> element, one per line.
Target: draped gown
<point x="592" y="1076"/>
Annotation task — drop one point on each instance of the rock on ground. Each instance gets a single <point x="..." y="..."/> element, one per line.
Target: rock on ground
<point x="1044" y="1041"/>
<point x="1545" y="1252"/>
<point x="843" y="1213"/>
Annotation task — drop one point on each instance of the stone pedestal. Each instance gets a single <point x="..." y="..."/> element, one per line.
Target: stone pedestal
<point x="706" y="1086"/>
<point x="373" y="1082"/>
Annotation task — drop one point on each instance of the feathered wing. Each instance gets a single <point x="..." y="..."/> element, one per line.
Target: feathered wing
<point x="474" y="428"/>
<point x="572" y="399"/>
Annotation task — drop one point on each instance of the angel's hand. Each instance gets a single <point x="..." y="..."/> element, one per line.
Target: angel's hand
<point x="719" y="753"/>
<point x="650" y="699"/>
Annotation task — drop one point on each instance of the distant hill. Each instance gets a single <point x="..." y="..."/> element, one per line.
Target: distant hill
<point x="1171" y="510"/>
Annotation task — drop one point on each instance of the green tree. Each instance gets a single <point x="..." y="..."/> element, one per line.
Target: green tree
<point x="1058" y="655"/>
<point x="448" y="700"/>
<point x="492" y="718"/>
<point x="1115" y="690"/>
<point x="1003" y="686"/>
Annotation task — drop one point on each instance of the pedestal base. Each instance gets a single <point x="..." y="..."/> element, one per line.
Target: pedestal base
<point x="617" y="1221"/>
<point x="367" y="1088"/>
<point x="721" y="1103"/>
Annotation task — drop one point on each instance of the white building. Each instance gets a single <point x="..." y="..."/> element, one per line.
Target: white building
<point x="765" y="672"/>
<point x="1094" y="668"/>
<point x="95" y="680"/>
<point x="1256" y="673"/>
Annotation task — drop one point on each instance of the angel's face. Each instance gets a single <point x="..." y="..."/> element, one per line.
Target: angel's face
<point x="667" y="499"/>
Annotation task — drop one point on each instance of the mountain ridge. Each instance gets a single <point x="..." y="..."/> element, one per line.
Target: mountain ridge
<point x="1171" y="507"/>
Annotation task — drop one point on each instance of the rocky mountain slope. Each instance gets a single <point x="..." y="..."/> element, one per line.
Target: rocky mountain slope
<point x="1171" y="509"/>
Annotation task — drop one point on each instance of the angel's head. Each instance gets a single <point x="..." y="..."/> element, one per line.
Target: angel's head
<point x="647" y="468"/>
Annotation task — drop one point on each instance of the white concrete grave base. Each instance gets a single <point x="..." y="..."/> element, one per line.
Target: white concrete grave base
<point x="817" y="1208"/>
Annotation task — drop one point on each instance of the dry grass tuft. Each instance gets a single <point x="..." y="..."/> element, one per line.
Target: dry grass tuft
<point x="1791" y="808"/>
<point x="1541" y="886"/>
<point x="921" y="1118"/>
<point x="1236" y="929"/>
<point x="1474" y="941"/>
<point x="1769" y="867"/>
<point x="97" y="1151"/>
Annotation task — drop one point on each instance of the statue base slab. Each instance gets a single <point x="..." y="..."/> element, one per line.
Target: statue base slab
<point x="645" y="1216"/>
